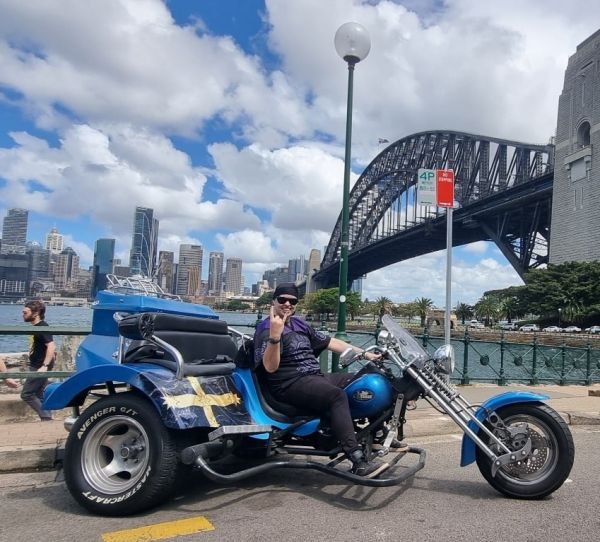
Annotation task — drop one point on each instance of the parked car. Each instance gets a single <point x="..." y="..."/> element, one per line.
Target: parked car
<point x="572" y="329"/>
<point x="508" y="326"/>
<point x="530" y="327"/>
<point x="593" y="329"/>
<point x="553" y="329"/>
<point x="475" y="324"/>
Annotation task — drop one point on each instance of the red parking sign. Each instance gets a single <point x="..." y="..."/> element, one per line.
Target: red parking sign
<point x="445" y="187"/>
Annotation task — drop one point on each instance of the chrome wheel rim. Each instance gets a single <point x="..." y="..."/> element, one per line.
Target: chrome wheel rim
<point x="115" y="455"/>
<point x="543" y="458"/>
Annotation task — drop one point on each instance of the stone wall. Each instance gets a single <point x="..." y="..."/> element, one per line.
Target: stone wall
<point x="65" y="359"/>
<point x="576" y="192"/>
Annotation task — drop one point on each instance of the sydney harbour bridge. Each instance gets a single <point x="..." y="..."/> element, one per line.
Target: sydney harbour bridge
<point x="503" y="190"/>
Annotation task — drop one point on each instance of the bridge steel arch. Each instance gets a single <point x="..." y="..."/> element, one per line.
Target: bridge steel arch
<point x="503" y="188"/>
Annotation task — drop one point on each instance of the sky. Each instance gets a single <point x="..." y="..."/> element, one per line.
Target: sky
<point x="227" y="117"/>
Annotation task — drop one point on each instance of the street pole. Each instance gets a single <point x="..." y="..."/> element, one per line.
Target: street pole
<point x="352" y="43"/>
<point x="343" y="281"/>
<point x="447" y="315"/>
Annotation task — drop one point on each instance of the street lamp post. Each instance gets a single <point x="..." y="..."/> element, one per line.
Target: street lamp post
<point x="559" y="314"/>
<point x="352" y="43"/>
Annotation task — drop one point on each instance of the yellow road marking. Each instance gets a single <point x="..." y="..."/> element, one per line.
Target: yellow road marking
<point x="160" y="531"/>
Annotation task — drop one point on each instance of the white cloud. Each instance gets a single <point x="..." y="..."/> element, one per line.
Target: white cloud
<point x="479" y="247"/>
<point x="105" y="174"/>
<point x="300" y="186"/>
<point x="425" y="276"/>
<point x="86" y="255"/>
<point x="113" y="81"/>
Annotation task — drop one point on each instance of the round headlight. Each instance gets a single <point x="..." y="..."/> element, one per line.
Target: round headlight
<point x="384" y="337"/>
<point x="443" y="359"/>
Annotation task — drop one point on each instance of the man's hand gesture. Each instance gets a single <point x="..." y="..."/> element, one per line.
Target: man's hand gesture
<point x="277" y="323"/>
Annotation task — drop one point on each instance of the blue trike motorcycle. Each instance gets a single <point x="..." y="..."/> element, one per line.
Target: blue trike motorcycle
<point x="163" y="386"/>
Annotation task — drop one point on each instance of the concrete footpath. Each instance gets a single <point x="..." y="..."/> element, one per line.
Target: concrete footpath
<point x="27" y="444"/>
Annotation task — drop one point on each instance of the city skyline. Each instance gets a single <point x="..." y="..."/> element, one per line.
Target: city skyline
<point x="29" y="269"/>
<point x="229" y="121"/>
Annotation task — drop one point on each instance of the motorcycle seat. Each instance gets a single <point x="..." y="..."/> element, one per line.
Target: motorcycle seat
<point x="205" y="345"/>
<point x="277" y="410"/>
<point x="192" y="369"/>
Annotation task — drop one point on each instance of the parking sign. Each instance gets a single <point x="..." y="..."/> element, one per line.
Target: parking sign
<point x="426" y="186"/>
<point x="445" y="188"/>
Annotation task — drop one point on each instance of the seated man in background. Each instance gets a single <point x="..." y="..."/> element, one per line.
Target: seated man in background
<point x="10" y="382"/>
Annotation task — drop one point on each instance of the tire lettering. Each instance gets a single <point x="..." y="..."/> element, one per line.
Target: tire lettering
<point x="128" y="411"/>
<point x="113" y="500"/>
<point x="93" y="418"/>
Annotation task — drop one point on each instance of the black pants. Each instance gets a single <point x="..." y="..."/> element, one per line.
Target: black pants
<point x="323" y="394"/>
<point x="33" y="394"/>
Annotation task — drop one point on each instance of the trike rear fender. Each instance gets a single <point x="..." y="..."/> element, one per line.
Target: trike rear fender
<point x="183" y="404"/>
<point x="469" y="447"/>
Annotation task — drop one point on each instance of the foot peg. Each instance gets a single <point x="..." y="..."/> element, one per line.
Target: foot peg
<point x="231" y="430"/>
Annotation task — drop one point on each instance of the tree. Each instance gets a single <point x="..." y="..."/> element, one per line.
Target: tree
<point x="383" y="305"/>
<point x="423" y="306"/>
<point x="264" y="299"/>
<point x="322" y="301"/>
<point x="573" y="287"/>
<point x="408" y="310"/>
<point x="487" y="307"/>
<point x="237" y="305"/>
<point x="353" y="304"/>
<point x="463" y="311"/>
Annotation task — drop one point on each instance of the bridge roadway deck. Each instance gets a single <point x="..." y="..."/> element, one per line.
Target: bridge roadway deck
<point x="430" y="236"/>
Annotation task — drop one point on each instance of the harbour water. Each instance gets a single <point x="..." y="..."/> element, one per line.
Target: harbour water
<point x="488" y="361"/>
<point x="10" y="315"/>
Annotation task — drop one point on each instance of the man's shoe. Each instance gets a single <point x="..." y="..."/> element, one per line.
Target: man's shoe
<point x="398" y="445"/>
<point x="368" y="469"/>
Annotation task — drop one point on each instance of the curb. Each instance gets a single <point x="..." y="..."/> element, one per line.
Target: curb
<point x="44" y="456"/>
<point x="29" y="458"/>
<point x="583" y="418"/>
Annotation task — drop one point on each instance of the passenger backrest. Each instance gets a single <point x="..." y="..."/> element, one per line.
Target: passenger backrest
<point x="195" y="338"/>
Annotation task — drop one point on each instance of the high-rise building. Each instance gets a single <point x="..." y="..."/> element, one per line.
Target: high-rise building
<point x="83" y="284"/>
<point x="14" y="231"/>
<point x="54" y="241"/>
<point x="276" y="276"/>
<point x="144" y="242"/>
<point x="314" y="264"/>
<point x="66" y="270"/>
<point x="104" y="255"/>
<point x="233" y="276"/>
<point x="121" y="270"/>
<point x="164" y="276"/>
<point x="14" y="276"/>
<point x="189" y="270"/>
<point x="39" y="261"/>
<point x="297" y="269"/>
<point x="215" y="273"/>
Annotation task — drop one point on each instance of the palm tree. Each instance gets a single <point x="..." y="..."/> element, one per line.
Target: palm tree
<point x="463" y="311"/>
<point x="487" y="307"/>
<point x="383" y="305"/>
<point x="423" y="306"/>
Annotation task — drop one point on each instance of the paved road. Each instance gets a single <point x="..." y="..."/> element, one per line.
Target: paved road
<point x="443" y="502"/>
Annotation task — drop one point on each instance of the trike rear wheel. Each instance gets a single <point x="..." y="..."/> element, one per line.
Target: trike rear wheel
<point x="119" y="457"/>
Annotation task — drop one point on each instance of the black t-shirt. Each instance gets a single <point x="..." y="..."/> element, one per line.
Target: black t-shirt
<point x="37" y="347"/>
<point x="299" y="342"/>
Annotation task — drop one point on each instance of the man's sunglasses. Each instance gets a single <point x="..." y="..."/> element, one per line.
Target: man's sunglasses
<point x="283" y="300"/>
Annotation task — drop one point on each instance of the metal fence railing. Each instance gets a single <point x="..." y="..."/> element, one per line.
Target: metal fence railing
<point x="496" y="361"/>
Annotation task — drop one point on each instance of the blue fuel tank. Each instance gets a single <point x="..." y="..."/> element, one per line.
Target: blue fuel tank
<point x="368" y="395"/>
